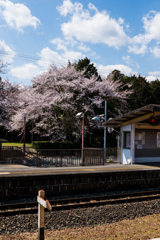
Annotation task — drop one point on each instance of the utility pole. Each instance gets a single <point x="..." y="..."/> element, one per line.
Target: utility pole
<point x="24" y="135"/>
<point x="82" y="160"/>
<point x="32" y="133"/>
<point x="105" y="118"/>
<point x="81" y="115"/>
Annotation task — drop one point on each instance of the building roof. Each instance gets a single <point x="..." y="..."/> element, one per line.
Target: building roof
<point x="139" y="116"/>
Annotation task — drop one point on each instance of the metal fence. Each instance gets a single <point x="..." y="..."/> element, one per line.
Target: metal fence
<point x="57" y="157"/>
<point x="11" y="155"/>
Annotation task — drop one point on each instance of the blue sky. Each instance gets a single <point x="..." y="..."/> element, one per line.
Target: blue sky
<point x="123" y="35"/>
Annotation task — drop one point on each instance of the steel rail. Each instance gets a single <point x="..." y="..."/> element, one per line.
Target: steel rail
<point x="72" y="203"/>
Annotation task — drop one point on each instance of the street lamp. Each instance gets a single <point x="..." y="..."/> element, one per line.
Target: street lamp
<point x="32" y="129"/>
<point x="24" y="134"/>
<point x="104" y="117"/>
<point x="81" y="115"/>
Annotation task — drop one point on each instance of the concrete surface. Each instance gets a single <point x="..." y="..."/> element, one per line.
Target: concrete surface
<point x="20" y="170"/>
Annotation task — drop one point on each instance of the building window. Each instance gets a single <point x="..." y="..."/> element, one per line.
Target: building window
<point x="127" y="140"/>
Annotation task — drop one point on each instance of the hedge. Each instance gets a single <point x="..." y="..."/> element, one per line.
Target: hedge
<point x="50" y="145"/>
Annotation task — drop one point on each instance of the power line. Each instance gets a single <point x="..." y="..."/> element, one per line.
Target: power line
<point x="49" y="61"/>
<point x="27" y="57"/>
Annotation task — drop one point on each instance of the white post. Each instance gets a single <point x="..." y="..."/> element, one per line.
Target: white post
<point x="41" y="194"/>
<point x="132" y="142"/>
<point x="121" y="145"/>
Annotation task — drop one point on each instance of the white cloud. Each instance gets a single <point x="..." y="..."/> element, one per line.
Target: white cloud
<point x="26" y="71"/>
<point x="92" y="7"/>
<point x="60" y="44"/>
<point x="105" y="70"/>
<point x="65" y="8"/>
<point x="48" y="57"/>
<point x="155" y="51"/>
<point x="72" y="55"/>
<point x="7" y="53"/>
<point x="136" y="49"/>
<point x="99" y="28"/>
<point x="155" y="73"/>
<point x="120" y="20"/>
<point x="150" y="78"/>
<point x="90" y="25"/>
<point x="141" y="39"/>
<point x="67" y="54"/>
<point x="153" y="76"/>
<point x="151" y="25"/>
<point x="126" y="59"/>
<point x="3" y="25"/>
<point x="17" y="15"/>
<point x="139" y="43"/>
<point x="84" y="48"/>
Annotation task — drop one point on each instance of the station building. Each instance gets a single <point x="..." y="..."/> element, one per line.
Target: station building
<point x="139" y="135"/>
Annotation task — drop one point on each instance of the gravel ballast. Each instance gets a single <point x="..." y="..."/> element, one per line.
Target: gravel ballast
<point x="79" y="217"/>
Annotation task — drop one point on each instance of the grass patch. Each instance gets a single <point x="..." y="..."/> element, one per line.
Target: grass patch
<point x="143" y="228"/>
<point x="13" y="144"/>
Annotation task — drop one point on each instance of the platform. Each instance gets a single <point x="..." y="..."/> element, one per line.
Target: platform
<point x="22" y="181"/>
<point x="20" y="170"/>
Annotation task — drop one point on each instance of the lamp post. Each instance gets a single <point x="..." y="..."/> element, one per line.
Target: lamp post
<point x="81" y="115"/>
<point x="24" y="135"/>
<point x="32" y="133"/>
<point x="32" y="129"/>
<point x="104" y="117"/>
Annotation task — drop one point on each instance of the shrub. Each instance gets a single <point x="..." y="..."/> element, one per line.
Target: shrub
<point x="50" y="145"/>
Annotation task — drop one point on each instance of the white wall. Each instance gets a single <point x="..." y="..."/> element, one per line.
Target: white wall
<point x="126" y="128"/>
<point x="126" y="156"/>
<point x="125" y="153"/>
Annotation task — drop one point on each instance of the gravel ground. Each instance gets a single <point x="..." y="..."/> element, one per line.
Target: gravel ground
<point x="78" y="218"/>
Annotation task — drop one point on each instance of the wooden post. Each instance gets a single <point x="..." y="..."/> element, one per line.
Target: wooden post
<point x="42" y="204"/>
<point x="41" y="194"/>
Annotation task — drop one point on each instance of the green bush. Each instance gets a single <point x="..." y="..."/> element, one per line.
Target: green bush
<point x="50" y="145"/>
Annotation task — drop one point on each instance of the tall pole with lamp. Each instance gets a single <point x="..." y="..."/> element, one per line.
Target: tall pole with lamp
<point x="105" y="118"/>
<point x="32" y="129"/>
<point x="81" y="115"/>
<point x="24" y="135"/>
<point x="32" y="133"/>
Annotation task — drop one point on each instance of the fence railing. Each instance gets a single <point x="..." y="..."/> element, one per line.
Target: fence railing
<point x="57" y="157"/>
<point x="10" y="154"/>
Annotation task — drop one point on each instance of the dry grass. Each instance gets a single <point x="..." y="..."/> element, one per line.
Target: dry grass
<point x="143" y="228"/>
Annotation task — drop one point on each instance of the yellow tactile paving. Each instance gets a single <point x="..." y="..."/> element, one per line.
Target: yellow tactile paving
<point x="81" y="170"/>
<point x="16" y="166"/>
<point x="4" y="173"/>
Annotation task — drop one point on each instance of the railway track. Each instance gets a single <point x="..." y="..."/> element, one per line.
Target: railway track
<point x="83" y="202"/>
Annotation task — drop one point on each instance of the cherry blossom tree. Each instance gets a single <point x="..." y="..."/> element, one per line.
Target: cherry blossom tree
<point x="8" y="102"/>
<point x="57" y="95"/>
<point x="8" y="99"/>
